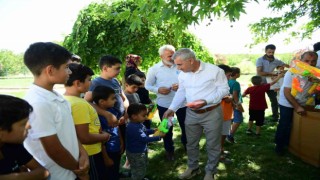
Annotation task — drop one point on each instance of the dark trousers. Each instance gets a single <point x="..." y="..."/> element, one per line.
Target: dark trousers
<point x="97" y="169"/>
<point x="274" y="103"/>
<point x="282" y="137"/>
<point x="113" y="172"/>
<point x="181" y="116"/>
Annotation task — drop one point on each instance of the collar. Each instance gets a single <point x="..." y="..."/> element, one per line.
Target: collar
<point x="201" y="67"/>
<point x="49" y="95"/>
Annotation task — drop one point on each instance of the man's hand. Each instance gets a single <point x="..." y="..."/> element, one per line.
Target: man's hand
<point x="175" y="87"/>
<point x="168" y="113"/>
<point x="164" y="90"/>
<point x="301" y="111"/>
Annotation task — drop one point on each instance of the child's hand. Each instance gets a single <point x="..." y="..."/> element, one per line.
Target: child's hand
<point x="107" y="136"/>
<point x="112" y="120"/>
<point x="122" y="120"/>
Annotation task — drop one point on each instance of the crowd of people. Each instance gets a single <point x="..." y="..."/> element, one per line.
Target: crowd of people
<point x="84" y="133"/>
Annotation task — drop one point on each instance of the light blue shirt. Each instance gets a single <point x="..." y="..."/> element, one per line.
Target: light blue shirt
<point x="158" y="76"/>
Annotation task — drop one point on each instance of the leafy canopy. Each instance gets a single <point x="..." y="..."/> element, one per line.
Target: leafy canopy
<point x="100" y="29"/>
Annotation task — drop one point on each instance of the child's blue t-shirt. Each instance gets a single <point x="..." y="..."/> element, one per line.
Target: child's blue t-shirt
<point x="137" y="137"/>
<point x="113" y="145"/>
<point x="114" y="84"/>
<point x="235" y="86"/>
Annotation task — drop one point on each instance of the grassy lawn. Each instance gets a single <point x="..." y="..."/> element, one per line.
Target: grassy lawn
<point x="253" y="157"/>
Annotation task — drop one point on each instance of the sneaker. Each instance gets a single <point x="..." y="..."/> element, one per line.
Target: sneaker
<point x="230" y="139"/>
<point x="225" y="160"/>
<point x="208" y="177"/>
<point x="189" y="173"/>
<point x="249" y="132"/>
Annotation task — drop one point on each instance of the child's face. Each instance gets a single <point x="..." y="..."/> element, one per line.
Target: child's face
<point x="18" y="132"/>
<point x="228" y="75"/>
<point x="109" y="102"/>
<point x="61" y="75"/>
<point x="84" y="86"/>
<point x="130" y="89"/>
<point x="141" y="117"/>
<point x="143" y="80"/>
<point x="112" y="71"/>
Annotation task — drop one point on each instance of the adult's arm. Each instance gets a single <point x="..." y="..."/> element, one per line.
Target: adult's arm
<point x="298" y="108"/>
<point x="261" y="73"/>
<point x="150" y="83"/>
<point x="221" y="88"/>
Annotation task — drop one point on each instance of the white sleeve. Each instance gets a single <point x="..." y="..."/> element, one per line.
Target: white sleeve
<point x="151" y="81"/>
<point x="42" y="120"/>
<point x="179" y="97"/>
<point x="221" y="88"/>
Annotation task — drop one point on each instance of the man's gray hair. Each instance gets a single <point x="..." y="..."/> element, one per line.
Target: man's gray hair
<point x="310" y="53"/>
<point x="184" y="54"/>
<point x="166" y="47"/>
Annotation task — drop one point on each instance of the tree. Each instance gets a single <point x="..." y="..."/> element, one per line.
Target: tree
<point x="11" y="64"/>
<point x="290" y="12"/>
<point x="98" y="31"/>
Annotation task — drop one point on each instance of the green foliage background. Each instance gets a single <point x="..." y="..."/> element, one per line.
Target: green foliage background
<point x="99" y="31"/>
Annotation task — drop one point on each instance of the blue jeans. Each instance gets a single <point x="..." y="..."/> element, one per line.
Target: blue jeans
<point x="181" y="116"/>
<point x="274" y="103"/>
<point x="282" y="137"/>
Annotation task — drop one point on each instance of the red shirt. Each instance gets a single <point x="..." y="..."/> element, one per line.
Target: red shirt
<point x="258" y="96"/>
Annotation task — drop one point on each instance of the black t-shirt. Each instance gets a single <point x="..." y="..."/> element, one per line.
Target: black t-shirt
<point x="14" y="156"/>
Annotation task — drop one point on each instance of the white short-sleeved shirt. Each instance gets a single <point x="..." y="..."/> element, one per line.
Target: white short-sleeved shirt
<point x="301" y="97"/>
<point x="158" y="76"/>
<point x="51" y="115"/>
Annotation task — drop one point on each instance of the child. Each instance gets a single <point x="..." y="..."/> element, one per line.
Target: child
<point x="235" y="91"/>
<point x="86" y="119"/>
<point x="53" y="140"/>
<point x="137" y="139"/>
<point x="257" y="103"/>
<point x="105" y="98"/>
<point x="276" y="87"/>
<point x="132" y="84"/>
<point x="227" y="108"/>
<point x="144" y="97"/>
<point x="14" y="126"/>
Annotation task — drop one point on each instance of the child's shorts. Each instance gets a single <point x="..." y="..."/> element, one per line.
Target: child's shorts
<point x="237" y="116"/>
<point x="226" y="127"/>
<point x="257" y="115"/>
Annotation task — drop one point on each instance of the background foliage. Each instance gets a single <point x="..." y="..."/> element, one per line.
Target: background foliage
<point x="11" y="63"/>
<point x="98" y="31"/>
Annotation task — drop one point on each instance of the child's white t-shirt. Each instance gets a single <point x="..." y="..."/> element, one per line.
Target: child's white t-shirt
<point x="51" y="115"/>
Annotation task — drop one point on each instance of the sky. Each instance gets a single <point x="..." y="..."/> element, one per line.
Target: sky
<point x="27" y="21"/>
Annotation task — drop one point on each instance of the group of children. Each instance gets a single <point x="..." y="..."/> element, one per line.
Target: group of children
<point x="65" y="139"/>
<point x="95" y="130"/>
<point x="232" y="104"/>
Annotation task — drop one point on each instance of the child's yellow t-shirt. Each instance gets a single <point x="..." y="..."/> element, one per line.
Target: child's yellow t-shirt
<point x="84" y="113"/>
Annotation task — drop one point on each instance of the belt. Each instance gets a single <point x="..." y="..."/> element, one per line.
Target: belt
<point x="201" y="111"/>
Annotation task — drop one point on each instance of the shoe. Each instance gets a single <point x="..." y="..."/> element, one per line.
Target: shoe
<point x="189" y="173"/>
<point x="225" y="160"/>
<point x="125" y="174"/>
<point x="249" y="132"/>
<point x="208" y="177"/>
<point x="227" y="153"/>
<point x="170" y="156"/>
<point x="230" y="139"/>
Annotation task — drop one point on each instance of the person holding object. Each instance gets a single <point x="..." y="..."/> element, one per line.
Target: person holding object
<point x="162" y="79"/>
<point x="205" y="85"/>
